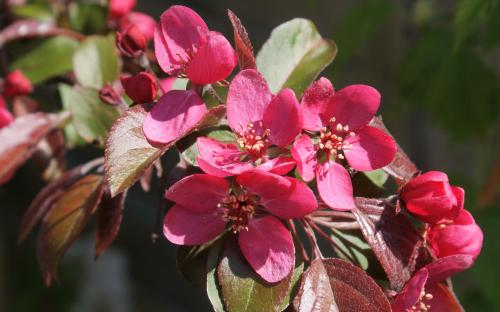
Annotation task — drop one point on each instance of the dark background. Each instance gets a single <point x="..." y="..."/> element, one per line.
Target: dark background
<point x="440" y="98"/>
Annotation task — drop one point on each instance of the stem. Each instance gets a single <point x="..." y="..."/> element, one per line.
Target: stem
<point x="353" y="225"/>
<point x="327" y="237"/>
<point x="214" y="93"/>
<point x="297" y="239"/>
<point x="333" y="214"/>
<point x="312" y="239"/>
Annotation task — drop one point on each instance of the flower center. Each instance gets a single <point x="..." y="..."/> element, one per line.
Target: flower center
<point x="238" y="210"/>
<point x="254" y="141"/>
<point x="421" y="306"/>
<point x="331" y="139"/>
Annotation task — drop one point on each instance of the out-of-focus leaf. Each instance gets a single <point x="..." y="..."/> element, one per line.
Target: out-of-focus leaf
<point x="213" y="289"/>
<point x="65" y="221"/>
<point x="358" y="25"/>
<point x="378" y="177"/>
<point x="50" y="58"/>
<point x="95" y="61"/>
<point x="38" y="11"/>
<point x="242" y="289"/>
<point x="353" y="289"/>
<point x="392" y="237"/>
<point x="91" y="117"/>
<point x="191" y="153"/>
<point x="315" y="292"/>
<point x="49" y="156"/>
<point x="294" y="56"/>
<point x="109" y="219"/>
<point x="469" y="15"/>
<point x="89" y="18"/>
<point x="20" y="138"/>
<point x="192" y="263"/>
<point x="242" y="43"/>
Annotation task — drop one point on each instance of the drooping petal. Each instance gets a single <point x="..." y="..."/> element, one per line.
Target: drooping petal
<point x="214" y="60"/>
<point x="268" y="247"/>
<point x="411" y="292"/>
<point x="283" y="117"/>
<point x="354" y="106"/>
<point x="305" y="155"/>
<point x="198" y="192"/>
<point x="225" y="157"/>
<point x="280" y="165"/>
<point x="335" y="186"/>
<point x="247" y="99"/>
<point x="182" y="226"/>
<point x="296" y="203"/>
<point x="369" y="149"/>
<point x="166" y="60"/>
<point x="175" y="113"/>
<point x="314" y="103"/>
<point x="264" y="184"/>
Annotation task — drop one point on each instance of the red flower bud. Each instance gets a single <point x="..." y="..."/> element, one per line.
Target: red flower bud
<point x="460" y="237"/>
<point x="144" y="22"/>
<point x="141" y="88"/>
<point x="119" y="8"/>
<point x="431" y="198"/>
<point x="5" y="116"/>
<point x="131" y="41"/>
<point x="108" y="95"/>
<point x="16" y="83"/>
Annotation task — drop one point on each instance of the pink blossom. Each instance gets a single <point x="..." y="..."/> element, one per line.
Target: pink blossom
<point x="431" y="198"/>
<point x="262" y="122"/>
<point x="185" y="46"/>
<point x="425" y="292"/>
<point x="206" y="206"/>
<point x="145" y="23"/>
<point x="459" y="236"/>
<point x="119" y="8"/>
<point x="16" y="83"/>
<point x="5" y="116"/>
<point x="339" y="122"/>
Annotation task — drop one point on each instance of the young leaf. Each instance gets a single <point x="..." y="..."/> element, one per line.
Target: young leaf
<point x="353" y="289"/>
<point x="242" y="43"/>
<point x="242" y="289"/>
<point x="65" y="221"/>
<point x="95" y="61"/>
<point x="213" y="289"/>
<point x="109" y="219"/>
<point x="391" y="236"/>
<point x="294" y="56"/>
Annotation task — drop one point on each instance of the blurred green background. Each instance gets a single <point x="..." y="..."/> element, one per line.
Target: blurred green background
<point x="437" y="66"/>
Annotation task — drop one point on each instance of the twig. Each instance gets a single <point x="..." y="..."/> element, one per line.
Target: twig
<point x="312" y="239"/>
<point x="297" y="239"/>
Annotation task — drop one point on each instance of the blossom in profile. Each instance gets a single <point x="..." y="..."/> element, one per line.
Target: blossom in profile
<point x="263" y="123"/>
<point x="185" y="46"/>
<point x="338" y="122"/>
<point x="252" y="208"/>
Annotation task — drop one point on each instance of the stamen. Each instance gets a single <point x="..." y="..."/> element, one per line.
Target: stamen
<point x="252" y="142"/>
<point x="238" y="210"/>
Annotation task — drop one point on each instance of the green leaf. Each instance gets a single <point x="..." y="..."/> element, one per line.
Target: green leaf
<point x="353" y="245"/>
<point x="52" y="57"/>
<point x="469" y="15"/>
<point x="213" y="289"/>
<point x="224" y="136"/>
<point x="91" y="117"/>
<point x="294" y="55"/>
<point x="242" y="289"/>
<point x="378" y="177"/>
<point x="89" y="18"/>
<point x="38" y="11"/>
<point x="95" y="61"/>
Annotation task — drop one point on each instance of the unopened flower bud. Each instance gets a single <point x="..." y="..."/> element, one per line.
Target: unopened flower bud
<point x="131" y="41"/>
<point x="109" y="95"/>
<point x="144" y="22"/>
<point x="119" y="8"/>
<point x="16" y="84"/>
<point x="141" y="88"/>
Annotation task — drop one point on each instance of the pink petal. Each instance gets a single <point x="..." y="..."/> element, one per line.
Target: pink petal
<point x="305" y="155"/>
<point x="181" y="32"/>
<point x="296" y="203"/>
<point x="198" y="192"/>
<point x="459" y="195"/>
<point x="182" y="226"/>
<point x="167" y="84"/>
<point x="411" y="292"/>
<point x="314" y="103"/>
<point x="214" y="60"/>
<point x="443" y="268"/>
<point x="144" y="22"/>
<point x="280" y="165"/>
<point x="430" y="176"/>
<point x="268" y="248"/>
<point x="442" y="299"/>
<point x="225" y="157"/>
<point x="173" y="115"/>
<point x="335" y="186"/>
<point x="247" y="98"/>
<point x="264" y="184"/>
<point x="369" y="149"/>
<point x="354" y="105"/>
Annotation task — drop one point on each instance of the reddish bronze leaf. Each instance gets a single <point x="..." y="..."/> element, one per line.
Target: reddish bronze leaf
<point x="315" y="292"/>
<point x="19" y="140"/>
<point x="391" y="236"/>
<point x="109" y="219"/>
<point x="63" y="223"/>
<point x="353" y="289"/>
<point x="242" y="43"/>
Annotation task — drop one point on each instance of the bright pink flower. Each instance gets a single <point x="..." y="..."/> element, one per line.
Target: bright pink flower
<point x="5" y="116"/>
<point x="141" y="88"/>
<point x="260" y="120"/>
<point x="119" y="8"/>
<point x="205" y="206"/>
<point x="431" y="198"/>
<point x="184" y="45"/>
<point x="424" y="292"/>
<point x="16" y="83"/>
<point x="341" y="118"/>
<point x="460" y="236"/>
<point x="175" y="113"/>
<point x="145" y="23"/>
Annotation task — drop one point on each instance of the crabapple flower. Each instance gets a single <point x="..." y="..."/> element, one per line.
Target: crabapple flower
<point x="141" y="88"/>
<point x="5" y="116"/>
<point x="424" y="292"/>
<point x="340" y="122"/>
<point x="205" y="206"/>
<point x="431" y="198"/>
<point x="131" y="41"/>
<point x="260" y="121"/>
<point x="119" y="8"/>
<point x="185" y="46"/>
<point x="145" y="23"/>
<point x="460" y="236"/>
<point x="16" y="83"/>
